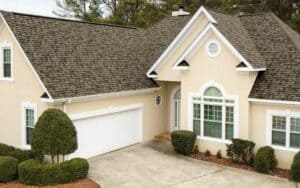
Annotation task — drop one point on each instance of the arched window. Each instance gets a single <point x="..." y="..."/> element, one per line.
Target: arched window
<point x="213" y="114"/>
<point x="213" y="92"/>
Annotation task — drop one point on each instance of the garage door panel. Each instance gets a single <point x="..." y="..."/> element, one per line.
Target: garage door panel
<point x="105" y="133"/>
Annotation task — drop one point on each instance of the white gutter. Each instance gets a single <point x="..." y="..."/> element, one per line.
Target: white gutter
<point x="274" y="102"/>
<point x="100" y="96"/>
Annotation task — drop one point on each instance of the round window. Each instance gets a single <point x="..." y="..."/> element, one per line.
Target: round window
<point x="213" y="48"/>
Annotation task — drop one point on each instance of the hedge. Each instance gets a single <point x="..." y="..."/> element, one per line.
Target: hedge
<point x="265" y="159"/>
<point x="295" y="168"/>
<point x="241" y="151"/>
<point x="183" y="141"/>
<point x="19" y="154"/>
<point x="8" y="168"/>
<point x="36" y="173"/>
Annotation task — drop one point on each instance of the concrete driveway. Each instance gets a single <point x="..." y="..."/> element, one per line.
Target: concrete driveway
<point x="155" y="165"/>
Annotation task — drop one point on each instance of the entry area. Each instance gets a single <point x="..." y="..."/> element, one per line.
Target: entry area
<point x="108" y="129"/>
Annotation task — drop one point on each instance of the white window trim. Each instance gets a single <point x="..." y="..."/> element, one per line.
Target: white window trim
<point x="288" y="114"/>
<point x="218" y="45"/>
<point x="225" y="97"/>
<point x="2" y="47"/>
<point x="26" y="105"/>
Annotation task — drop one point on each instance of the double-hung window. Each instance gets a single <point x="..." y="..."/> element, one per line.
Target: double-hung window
<point x="29" y="120"/>
<point x="213" y="115"/>
<point x="6" y="62"/>
<point x="283" y="129"/>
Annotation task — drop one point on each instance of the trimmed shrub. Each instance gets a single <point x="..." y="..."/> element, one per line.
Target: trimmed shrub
<point x="19" y="154"/>
<point x="207" y="153"/>
<point x="219" y="155"/>
<point x="8" y="168"/>
<point x="183" y="141"/>
<point x="241" y="151"/>
<point x="295" y="168"/>
<point x="36" y="173"/>
<point x="54" y="134"/>
<point x="265" y="159"/>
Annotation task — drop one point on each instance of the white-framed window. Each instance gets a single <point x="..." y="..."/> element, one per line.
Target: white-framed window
<point x="283" y="129"/>
<point x="213" y="48"/>
<point x="214" y="115"/>
<point x="6" y="62"/>
<point x="29" y="117"/>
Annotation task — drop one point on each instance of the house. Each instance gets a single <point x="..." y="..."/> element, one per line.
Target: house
<point x="222" y="76"/>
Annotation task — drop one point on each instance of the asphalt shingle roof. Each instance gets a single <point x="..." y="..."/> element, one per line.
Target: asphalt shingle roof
<point x="76" y="58"/>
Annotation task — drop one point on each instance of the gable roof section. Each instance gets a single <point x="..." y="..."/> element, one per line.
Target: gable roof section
<point x="279" y="45"/>
<point x="76" y="58"/>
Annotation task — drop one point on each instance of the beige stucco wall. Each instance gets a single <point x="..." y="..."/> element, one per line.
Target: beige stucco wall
<point x="258" y="129"/>
<point x="24" y="88"/>
<point x="165" y="71"/>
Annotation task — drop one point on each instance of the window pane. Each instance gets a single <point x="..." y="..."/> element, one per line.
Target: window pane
<point x="28" y="134"/>
<point x="7" y="70"/>
<point x="212" y="112"/>
<point x="295" y="140"/>
<point x="229" y="114"/>
<point x="7" y="56"/>
<point x="213" y="129"/>
<point x="213" y="92"/>
<point x="278" y="138"/>
<point x="196" y="127"/>
<point x="295" y="125"/>
<point x="197" y="111"/>
<point x="29" y="118"/>
<point x="279" y="122"/>
<point x="229" y="131"/>
<point x="213" y="121"/>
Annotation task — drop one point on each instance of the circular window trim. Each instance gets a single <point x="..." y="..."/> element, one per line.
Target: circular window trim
<point x="218" y="45"/>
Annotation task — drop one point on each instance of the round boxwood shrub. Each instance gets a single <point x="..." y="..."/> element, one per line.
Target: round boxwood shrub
<point x="295" y="168"/>
<point x="8" y="168"/>
<point x="265" y="159"/>
<point x="54" y="134"/>
<point x="183" y="141"/>
<point x="36" y="173"/>
<point x="21" y="155"/>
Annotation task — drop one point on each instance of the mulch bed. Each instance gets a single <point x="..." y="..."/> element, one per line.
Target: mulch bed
<point x="85" y="183"/>
<point x="281" y="173"/>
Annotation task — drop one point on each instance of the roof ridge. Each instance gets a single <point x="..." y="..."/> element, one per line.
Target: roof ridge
<point x="68" y="20"/>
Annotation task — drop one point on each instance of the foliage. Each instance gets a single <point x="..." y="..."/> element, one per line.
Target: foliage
<point x="8" y="168"/>
<point x="183" y="141"/>
<point x="36" y="173"/>
<point x="295" y="168"/>
<point x="88" y="10"/>
<point x="143" y="13"/>
<point x="219" y="154"/>
<point x="54" y="134"/>
<point x="265" y="159"/>
<point x="196" y="149"/>
<point x="207" y="153"/>
<point x="241" y="151"/>
<point x="19" y="154"/>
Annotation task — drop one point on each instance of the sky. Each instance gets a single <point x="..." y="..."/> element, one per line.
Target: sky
<point x="38" y="7"/>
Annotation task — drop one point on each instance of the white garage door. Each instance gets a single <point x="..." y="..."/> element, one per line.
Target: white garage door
<point x="113" y="129"/>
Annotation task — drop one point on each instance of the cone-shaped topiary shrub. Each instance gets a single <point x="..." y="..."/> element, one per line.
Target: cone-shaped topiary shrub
<point x="295" y="169"/>
<point x="8" y="168"/>
<point x="183" y="141"/>
<point x="54" y="134"/>
<point x="265" y="159"/>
